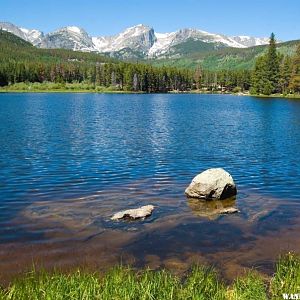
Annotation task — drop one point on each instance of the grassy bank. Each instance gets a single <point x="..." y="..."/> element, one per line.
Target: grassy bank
<point x="50" y="87"/>
<point x="122" y="283"/>
<point x="288" y="96"/>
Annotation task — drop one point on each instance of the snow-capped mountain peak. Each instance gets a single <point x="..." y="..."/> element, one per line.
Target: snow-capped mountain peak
<point x="70" y="37"/>
<point x="135" y="30"/>
<point x="138" y="38"/>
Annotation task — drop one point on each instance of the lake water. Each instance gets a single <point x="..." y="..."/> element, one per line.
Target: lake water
<point x="69" y="161"/>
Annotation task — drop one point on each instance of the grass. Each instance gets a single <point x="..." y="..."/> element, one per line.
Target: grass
<point x="289" y="96"/>
<point x="287" y="276"/>
<point x="123" y="283"/>
<point x="202" y="283"/>
<point x="55" y="286"/>
<point x="51" y="87"/>
<point x="48" y="87"/>
<point x="249" y="287"/>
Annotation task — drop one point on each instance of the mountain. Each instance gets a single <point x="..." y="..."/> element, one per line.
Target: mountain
<point x="222" y="59"/>
<point x="187" y="48"/>
<point x="14" y="48"/>
<point x="138" y="42"/>
<point x="71" y="37"/>
<point x="166" y="43"/>
<point x="249" y="41"/>
<point x="30" y="35"/>
<point x="139" y="39"/>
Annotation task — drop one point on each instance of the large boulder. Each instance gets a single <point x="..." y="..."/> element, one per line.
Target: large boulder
<point x="212" y="184"/>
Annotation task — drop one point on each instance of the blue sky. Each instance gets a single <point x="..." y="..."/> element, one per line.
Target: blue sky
<point x="243" y="17"/>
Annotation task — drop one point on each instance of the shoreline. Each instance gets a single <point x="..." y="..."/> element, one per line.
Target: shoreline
<point x="89" y="91"/>
<point x="66" y="91"/>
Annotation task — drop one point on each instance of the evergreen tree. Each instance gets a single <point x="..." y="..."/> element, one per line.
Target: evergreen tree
<point x="295" y="76"/>
<point x="259" y="79"/>
<point x="285" y="74"/>
<point x="272" y="65"/>
<point x="265" y="79"/>
<point x="198" y="77"/>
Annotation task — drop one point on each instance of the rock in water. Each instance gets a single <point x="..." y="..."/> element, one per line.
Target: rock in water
<point x="133" y="214"/>
<point x="229" y="210"/>
<point x="212" y="184"/>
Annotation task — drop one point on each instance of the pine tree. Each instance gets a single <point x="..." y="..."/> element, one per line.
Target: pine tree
<point x="272" y="65"/>
<point x="198" y="77"/>
<point x="285" y="74"/>
<point x="259" y="77"/>
<point x="265" y="79"/>
<point x="295" y="77"/>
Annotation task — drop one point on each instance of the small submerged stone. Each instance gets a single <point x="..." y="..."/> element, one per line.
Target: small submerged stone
<point x="230" y="210"/>
<point x="133" y="214"/>
<point x="211" y="184"/>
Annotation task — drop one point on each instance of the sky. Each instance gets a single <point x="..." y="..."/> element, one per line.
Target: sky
<point x="99" y="18"/>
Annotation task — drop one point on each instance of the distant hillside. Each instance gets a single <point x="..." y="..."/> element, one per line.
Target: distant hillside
<point x="14" y="48"/>
<point x="220" y="59"/>
<point x="10" y="40"/>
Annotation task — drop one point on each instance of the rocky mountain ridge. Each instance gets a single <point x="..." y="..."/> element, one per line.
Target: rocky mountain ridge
<point x="139" y="41"/>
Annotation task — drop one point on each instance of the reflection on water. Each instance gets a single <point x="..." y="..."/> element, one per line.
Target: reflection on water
<point x="68" y="162"/>
<point x="210" y="209"/>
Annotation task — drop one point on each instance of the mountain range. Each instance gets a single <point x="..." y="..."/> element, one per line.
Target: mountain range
<point x="138" y="42"/>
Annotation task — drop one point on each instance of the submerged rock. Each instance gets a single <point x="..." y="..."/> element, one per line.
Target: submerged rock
<point x="212" y="209"/>
<point x="230" y="210"/>
<point x="133" y="214"/>
<point x="211" y="184"/>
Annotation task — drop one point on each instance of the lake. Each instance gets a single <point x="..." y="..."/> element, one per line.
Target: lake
<point x="69" y="161"/>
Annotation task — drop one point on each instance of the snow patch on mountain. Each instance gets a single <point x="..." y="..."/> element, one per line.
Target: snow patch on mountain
<point x="74" y="29"/>
<point x="162" y="44"/>
<point x="249" y="41"/>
